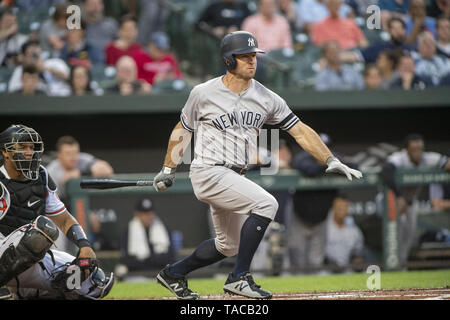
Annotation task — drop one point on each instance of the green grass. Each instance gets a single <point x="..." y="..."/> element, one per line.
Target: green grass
<point x="341" y="282"/>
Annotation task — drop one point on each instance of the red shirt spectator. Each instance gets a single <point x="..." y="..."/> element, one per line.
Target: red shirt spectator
<point x="126" y="45"/>
<point x="345" y="31"/>
<point x="159" y="64"/>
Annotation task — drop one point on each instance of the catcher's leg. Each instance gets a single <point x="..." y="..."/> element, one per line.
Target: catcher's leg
<point x="25" y="247"/>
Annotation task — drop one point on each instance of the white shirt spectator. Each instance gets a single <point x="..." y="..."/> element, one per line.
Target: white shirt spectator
<point x="435" y="68"/>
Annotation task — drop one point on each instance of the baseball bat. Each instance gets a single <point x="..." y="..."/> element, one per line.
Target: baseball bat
<point x="112" y="184"/>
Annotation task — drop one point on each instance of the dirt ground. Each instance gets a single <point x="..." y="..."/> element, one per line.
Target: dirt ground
<point x="404" y="294"/>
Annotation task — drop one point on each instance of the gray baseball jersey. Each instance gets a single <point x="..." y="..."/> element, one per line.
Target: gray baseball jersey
<point x="227" y="124"/>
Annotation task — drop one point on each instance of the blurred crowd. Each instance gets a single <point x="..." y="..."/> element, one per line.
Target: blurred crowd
<point x="362" y="44"/>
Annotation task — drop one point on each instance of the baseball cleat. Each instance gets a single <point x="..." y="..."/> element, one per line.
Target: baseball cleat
<point x="245" y="286"/>
<point x="177" y="285"/>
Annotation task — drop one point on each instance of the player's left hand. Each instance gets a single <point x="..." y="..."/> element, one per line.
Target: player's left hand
<point x="336" y="166"/>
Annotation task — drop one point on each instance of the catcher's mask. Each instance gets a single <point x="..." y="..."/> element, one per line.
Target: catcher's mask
<point x="27" y="148"/>
<point x="238" y="42"/>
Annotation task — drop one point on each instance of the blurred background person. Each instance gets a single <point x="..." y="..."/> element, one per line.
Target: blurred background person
<point x="269" y="27"/>
<point x="153" y="15"/>
<point x="53" y="32"/>
<point x="80" y="80"/>
<point x="440" y="195"/>
<point x="392" y="9"/>
<point x="343" y="30"/>
<point x="53" y="73"/>
<point x="407" y="78"/>
<point x="417" y="21"/>
<point x="397" y="40"/>
<point x="11" y="40"/>
<point x="309" y="12"/>
<point x="146" y="242"/>
<point x="126" y="44"/>
<point x="413" y="155"/>
<point x="70" y="163"/>
<point x="387" y="62"/>
<point x="222" y="17"/>
<point x="158" y="63"/>
<point x="429" y="64"/>
<point x="306" y="237"/>
<point x="127" y="82"/>
<point x="372" y="77"/>
<point x="30" y="82"/>
<point x="335" y="75"/>
<point x="77" y="50"/>
<point x="100" y="30"/>
<point x="345" y="241"/>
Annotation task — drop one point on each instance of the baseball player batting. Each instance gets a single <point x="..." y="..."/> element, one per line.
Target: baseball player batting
<point x="227" y="114"/>
<point x="30" y="212"/>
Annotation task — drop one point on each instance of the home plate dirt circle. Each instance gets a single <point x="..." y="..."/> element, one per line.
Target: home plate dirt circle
<point x="402" y="294"/>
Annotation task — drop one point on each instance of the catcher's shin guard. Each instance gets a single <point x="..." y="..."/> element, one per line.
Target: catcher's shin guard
<point x="37" y="239"/>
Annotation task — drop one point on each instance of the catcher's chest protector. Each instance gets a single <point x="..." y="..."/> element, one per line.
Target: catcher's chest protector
<point x="27" y="202"/>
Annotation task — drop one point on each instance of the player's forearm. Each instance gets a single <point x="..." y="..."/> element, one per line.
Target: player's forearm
<point x="178" y="142"/>
<point x="310" y="141"/>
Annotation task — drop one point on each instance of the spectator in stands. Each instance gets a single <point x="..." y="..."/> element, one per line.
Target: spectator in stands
<point x="77" y="51"/>
<point x="159" y="64"/>
<point x="126" y="44"/>
<point x="443" y="36"/>
<point x="127" y="82"/>
<point x="146" y="242"/>
<point x="30" y="81"/>
<point x="417" y="21"/>
<point x="100" y="30"/>
<point x="413" y="155"/>
<point x="392" y="9"/>
<point x="396" y="29"/>
<point x="387" y="62"/>
<point x="372" y="77"/>
<point x="53" y="32"/>
<point x="343" y="30"/>
<point x="407" y="78"/>
<point x="80" y="80"/>
<point x="153" y="17"/>
<point x="428" y="63"/>
<point x="309" y="12"/>
<point x="337" y="76"/>
<point x="222" y="17"/>
<point x="10" y="39"/>
<point x="438" y="8"/>
<point x="345" y="241"/>
<point x="269" y="28"/>
<point x="53" y="73"/>
<point x="70" y="163"/>
<point x="307" y="228"/>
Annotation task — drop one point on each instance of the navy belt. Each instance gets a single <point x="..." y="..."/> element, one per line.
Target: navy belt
<point x="238" y="170"/>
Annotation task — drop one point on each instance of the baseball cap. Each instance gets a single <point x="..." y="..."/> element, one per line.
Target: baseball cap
<point x="144" y="204"/>
<point x="160" y="40"/>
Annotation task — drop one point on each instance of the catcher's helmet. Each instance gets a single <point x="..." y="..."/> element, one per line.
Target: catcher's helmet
<point x="238" y="42"/>
<point x="16" y="134"/>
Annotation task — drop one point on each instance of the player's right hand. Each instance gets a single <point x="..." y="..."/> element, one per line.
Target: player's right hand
<point x="164" y="179"/>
